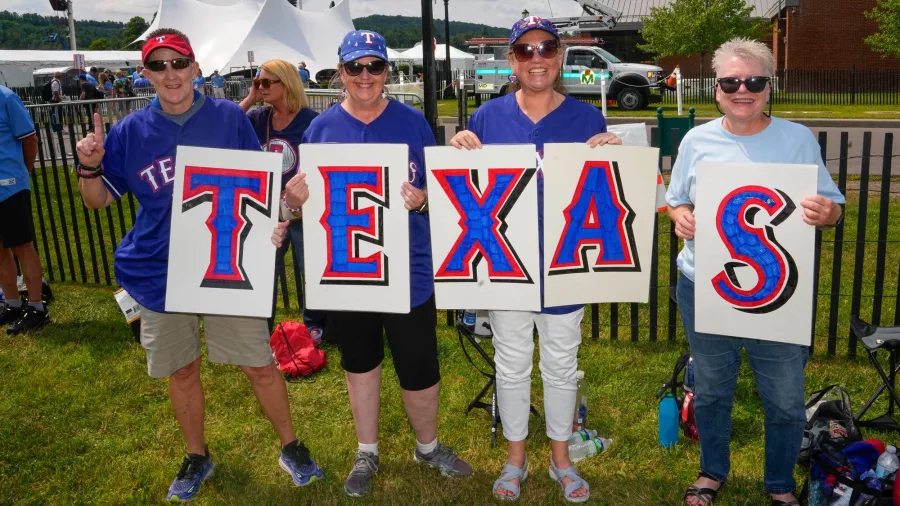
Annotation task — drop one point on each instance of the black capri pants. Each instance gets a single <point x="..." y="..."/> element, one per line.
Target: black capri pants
<point x="412" y="338"/>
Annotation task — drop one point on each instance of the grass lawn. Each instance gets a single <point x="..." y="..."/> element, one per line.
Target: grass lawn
<point x="787" y="111"/>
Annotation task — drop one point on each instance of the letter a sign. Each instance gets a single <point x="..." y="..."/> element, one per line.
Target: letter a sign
<point x="754" y="255"/>
<point x="224" y="208"/>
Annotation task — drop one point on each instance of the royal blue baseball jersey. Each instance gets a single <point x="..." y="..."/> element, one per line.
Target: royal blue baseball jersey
<point x="500" y="121"/>
<point x="282" y="141"/>
<point x="398" y="124"/>
<point x="140" y="158"/>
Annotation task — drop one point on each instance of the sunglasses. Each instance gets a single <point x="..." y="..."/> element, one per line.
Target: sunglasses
<point x="160" y="65"/>
<point x="548" y="49"/>
<point x="265" y="83"/>
<point x="375" y="67"/>
<point x="754" y="84"/>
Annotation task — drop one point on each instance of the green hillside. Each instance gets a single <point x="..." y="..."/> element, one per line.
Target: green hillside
<point x="405" y="31"/>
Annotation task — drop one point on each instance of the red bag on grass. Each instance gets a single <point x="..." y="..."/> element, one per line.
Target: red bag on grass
<point x="294" y="350"/>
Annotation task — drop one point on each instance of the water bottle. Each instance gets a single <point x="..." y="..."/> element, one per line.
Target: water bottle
<point x="581" y="436"/>
<point x="887" y="463"/>
<point x="468" y="318"/>
<point x="842" y="494"/>
<point x="587" y="448"/>
<point x="581" y="399"/>
<point x="668" y="420"/>
<point x="689" y="376"/>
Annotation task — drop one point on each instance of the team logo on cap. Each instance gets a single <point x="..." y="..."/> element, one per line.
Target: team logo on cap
<point x="532" y="20"/>
<point x="369" y="36"/>
<point x="161" y="38"/>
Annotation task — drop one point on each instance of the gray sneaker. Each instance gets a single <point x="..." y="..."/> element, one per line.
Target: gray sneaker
<point x="443" y="459"/>
<point x="359" y="481"/>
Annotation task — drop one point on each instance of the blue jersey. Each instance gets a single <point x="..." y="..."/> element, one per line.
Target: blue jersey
<point x="500" y="121"/>
<point x="141" y="82"/>
<point x="398" y="124"/>
<point x="140" y="158"/>
<point x="218" y="81"/>
<point x="15" y="125"/>
<point x="282" y="141"/>
<point x="199" y="81"/>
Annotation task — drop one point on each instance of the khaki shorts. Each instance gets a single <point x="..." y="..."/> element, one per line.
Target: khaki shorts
<point x="172" y="340"/>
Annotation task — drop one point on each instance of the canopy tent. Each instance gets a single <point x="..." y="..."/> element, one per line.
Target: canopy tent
<point x="393" y="55"/>
<point x="221" y="35"/>
<point x="17" y="67"/>
<point x="459" y="60"/>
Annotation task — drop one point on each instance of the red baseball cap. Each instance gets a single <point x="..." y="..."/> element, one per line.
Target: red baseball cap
<point x="172" y="41"/>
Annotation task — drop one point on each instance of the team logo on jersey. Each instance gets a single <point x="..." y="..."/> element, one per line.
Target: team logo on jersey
<point x="413" y="171"/>
<point x="482" y="216"/>
<point x="598" y="218"/>
<point x="231" y="193"/>
<point x="288" y="153"/>
<point x="756" y="247"/>
<point x="356" y="198"/>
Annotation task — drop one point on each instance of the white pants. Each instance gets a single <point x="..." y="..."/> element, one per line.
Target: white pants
<point x="219" y="92"/>
<point x="559" y="338"/>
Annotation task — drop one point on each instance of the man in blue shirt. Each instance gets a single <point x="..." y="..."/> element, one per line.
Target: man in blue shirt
<point x="141" y="82"/>
<point x="136" y="74"/>
<point x="18" y="149"/>
<point x="218" y="84"/>
<point x="304" y="74"/>
<point x="92" y="76"/>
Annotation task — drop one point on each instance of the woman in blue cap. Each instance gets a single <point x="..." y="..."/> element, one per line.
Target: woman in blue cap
<point x="367" y="116"/>
<point x="536" y="111"/>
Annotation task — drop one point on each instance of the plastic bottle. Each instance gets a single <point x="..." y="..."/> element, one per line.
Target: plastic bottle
<point x="581" y="436"/>
<point x="581" y="400"/>
<point x="587" y="448"/>
<point x="887" y="463"/>
<point x="668" y="420"/>
<point x="689" y="376"/>
<point x="468" y="318"/>
<point x="873" y="483"/>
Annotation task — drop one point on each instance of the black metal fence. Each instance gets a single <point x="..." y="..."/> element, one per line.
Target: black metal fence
<point x="857" y="270"/>
<point x="823" y="87"/>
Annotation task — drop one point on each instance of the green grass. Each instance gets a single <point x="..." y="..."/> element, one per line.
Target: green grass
<point x="788" y="111"/>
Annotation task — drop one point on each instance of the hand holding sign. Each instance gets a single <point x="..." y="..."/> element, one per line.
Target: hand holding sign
<point x="296" y="191"/>
<point x="90" y="149"/>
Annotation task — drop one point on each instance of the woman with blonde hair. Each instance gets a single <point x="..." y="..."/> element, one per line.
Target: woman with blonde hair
<point x="280" y="127"/>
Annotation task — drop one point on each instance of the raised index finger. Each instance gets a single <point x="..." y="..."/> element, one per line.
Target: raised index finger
<point x="98" y="128"/>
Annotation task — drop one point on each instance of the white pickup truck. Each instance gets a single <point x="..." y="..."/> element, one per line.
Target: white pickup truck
<point x="632" y="85"/>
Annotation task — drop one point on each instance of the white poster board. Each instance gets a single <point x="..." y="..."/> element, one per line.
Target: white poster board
<point x="635" y="134"/>
<point x="224" y="209"/>
<point x="754" y="254"/>
<point x="599" y="209"/>
<point x="356" y="227"/>
<point x="484" y="234"/>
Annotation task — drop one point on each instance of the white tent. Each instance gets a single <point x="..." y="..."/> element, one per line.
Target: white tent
<point x="17" y="67"/>
<point x="393" y="55"/>
<point x="459" y="60"/>
<point x="221" y="35"/>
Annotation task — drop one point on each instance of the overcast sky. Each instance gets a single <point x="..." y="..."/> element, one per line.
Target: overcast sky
<point x="492" y="12"/>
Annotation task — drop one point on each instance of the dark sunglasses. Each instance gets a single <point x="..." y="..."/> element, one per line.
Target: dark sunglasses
<point x="754" y="84"/>
<point x="375" y="67"/>
<point x="265" y="83"/>
<point x="548" y="49"/>
<point x="160" y="65"/>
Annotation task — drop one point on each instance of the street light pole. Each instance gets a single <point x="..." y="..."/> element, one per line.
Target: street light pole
<point x="449" y="74"/>
<point x="428" y="64"/>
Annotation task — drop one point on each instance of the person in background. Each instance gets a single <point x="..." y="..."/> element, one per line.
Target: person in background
<point x="92" y="76"/>
<point x="537" y="110"/>
<point x="746" y="134"/>
<point x="137" y="74"/>
<point x="105" y="86"/>
<point x="56" y="91"/>
<point x="280" y="128"/>
<point x="199" y="82"/>
<point x="18" y="149"/>
<point x="366" y="116"/>
<point x="141" y="82"/>
<point x="138" y="158"/>
<point x="218" y="84"/>
<point x="304" y="74"/>
<point x="120" y="85"/>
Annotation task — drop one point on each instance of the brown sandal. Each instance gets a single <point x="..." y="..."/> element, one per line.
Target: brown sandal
<point x="706" y="496"/>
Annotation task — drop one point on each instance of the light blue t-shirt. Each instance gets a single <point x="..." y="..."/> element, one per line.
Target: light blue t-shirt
<point x="135" y="76"/>
<point x="218" y="81"/>
<point x="199" y="82"/>
<point x="15" y="125"/>
<point x="781" y="142"/>
<point x="91" y="79"/>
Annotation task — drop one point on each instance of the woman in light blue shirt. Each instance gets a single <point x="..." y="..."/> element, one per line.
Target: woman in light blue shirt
<point x="746" y="133"/>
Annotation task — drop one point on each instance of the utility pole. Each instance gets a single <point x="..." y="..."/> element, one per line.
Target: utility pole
<point x="71" y="17"/>
<point x="428" y="64"/>
<point x="447" y="42"/>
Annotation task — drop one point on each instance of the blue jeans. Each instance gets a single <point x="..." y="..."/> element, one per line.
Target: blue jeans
<point x="778" y="369"/>
<point x="310" y="318"/>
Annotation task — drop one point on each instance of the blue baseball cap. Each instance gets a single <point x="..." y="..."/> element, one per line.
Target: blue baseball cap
<point x="360" y="43"/>
<point x="522" y="26"/>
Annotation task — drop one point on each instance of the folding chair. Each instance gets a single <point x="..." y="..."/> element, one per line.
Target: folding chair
<point x="873" y="339"/>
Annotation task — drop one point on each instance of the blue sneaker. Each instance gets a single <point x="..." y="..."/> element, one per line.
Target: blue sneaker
<point x="296" y="461"/>
<point x="194" y="470"/>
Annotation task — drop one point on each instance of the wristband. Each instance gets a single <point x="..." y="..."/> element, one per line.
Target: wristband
<point x="86" y="172"/>
<point x="424" y="208"/>
<point x="294" y="210"/>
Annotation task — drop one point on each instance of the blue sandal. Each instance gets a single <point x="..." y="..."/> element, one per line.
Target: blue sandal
<point x="577" y="482"/>
<point x="508" y="473"/>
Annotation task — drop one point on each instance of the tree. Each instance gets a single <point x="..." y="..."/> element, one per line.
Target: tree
<point x="688" y="27"/>
<point x="887" y="39"/>
<point x="101" y="44"/>
<point x="133" y="29"/>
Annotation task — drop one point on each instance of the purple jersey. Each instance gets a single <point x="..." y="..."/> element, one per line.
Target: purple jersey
<point x="282" y="141"/>
<point x="140" y="158"/>
<point x="500" y="121"/>
<point x="398" y="124"/>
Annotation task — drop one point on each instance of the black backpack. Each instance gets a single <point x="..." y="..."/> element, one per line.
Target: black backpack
<point x="829" y="416"/>
<point x="47" y="91"/>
